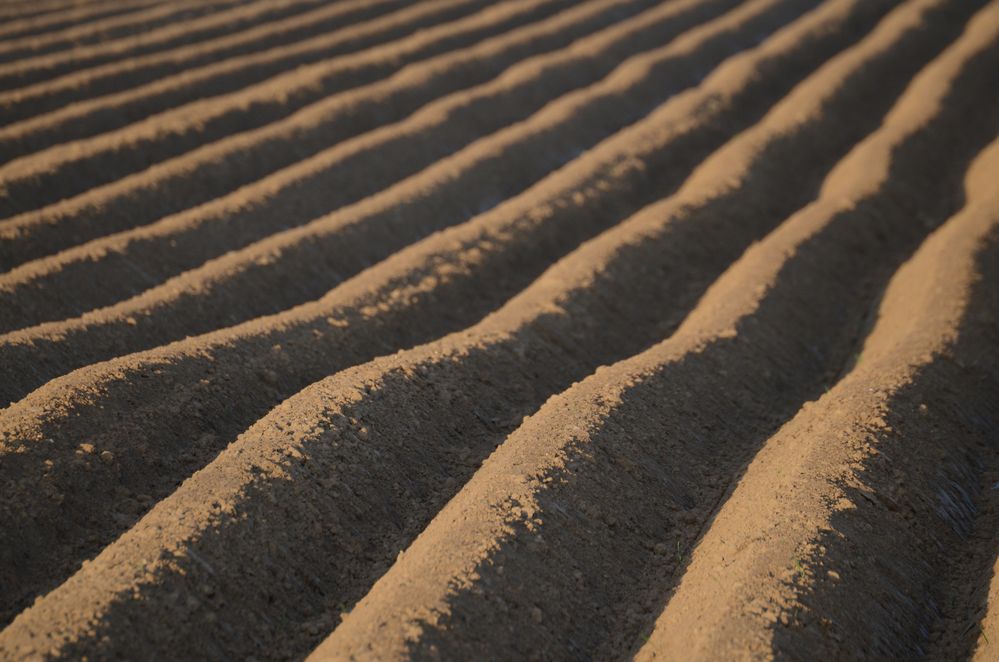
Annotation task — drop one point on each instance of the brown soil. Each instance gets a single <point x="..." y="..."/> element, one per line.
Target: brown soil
<point x="524" y="330"/>
<point x="314" y="186"/>
<point x="102" y="98"/>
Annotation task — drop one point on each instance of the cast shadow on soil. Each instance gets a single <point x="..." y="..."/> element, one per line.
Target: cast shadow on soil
<point x="897" y="548"/>
<point x="707" y="431"/>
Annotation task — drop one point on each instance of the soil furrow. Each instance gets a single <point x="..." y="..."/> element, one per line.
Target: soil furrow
<point x="17" y="12"/>
<point x="102" y="30"/>
<point x="867" y="495"/>
<point x="568" y="536"/>
<point x="512" y="31"/>
<point x="302" y="264"/>
<point x="38" y="10"/>
<point x="600" y="188"/>
<point x="434" y="280"/>
<point x="214" y="19"/>
<point x="22" y="24"/>
<point x="102" y="99"/>
<point x="526" y="151"/>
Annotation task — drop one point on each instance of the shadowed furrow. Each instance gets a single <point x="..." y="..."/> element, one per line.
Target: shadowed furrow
<point x="838" y="100"/>
<point x="525" y="151"/>
<point x="224" y="165"/>
<point x="520" y="329"/>
<point x="41" y="20"/>
<point x="103" y="30"/>
<point x="201" y="21"/>
<point x="417" y="295"/>
<point x="101" y="99"/>
<point x="300" y="265"/>
<point x="874" y="495"/>
<point x="570" y="533"/>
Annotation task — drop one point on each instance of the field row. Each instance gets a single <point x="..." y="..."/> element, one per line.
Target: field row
<point x="604" y="329"/>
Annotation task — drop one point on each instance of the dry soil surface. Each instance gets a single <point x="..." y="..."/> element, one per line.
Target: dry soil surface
<point x="526" y="329"/>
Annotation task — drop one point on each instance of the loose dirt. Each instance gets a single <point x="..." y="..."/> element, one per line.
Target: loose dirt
<point x="524" y="330"/>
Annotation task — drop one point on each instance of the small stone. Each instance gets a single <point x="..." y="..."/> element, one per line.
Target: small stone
<point x="833" y="575"/>
<point x="536" y="615"/>
<point x="87" y="448"/>
<point x="107" y="457"/>
<point x="363" y="433"/>
<point x="269" y="377"/>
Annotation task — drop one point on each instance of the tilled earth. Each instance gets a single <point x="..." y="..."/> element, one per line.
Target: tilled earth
<point x="521" y="329"/>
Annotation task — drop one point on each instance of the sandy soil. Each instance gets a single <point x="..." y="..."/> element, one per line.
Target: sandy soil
<point x="535" y="329"/>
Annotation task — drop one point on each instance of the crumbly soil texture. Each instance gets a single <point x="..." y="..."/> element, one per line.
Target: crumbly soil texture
<point x="520" y="330"/>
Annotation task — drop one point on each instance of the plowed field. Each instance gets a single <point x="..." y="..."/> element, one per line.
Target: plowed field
<point x="520" y="329"/>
